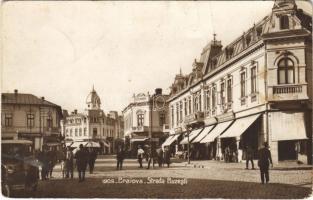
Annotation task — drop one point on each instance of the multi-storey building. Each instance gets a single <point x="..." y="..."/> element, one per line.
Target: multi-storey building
<point x="93" y="125"/>
<point x="258" y="88"/>
<point x="28" y="117"/>
<point x="146" y="120"/>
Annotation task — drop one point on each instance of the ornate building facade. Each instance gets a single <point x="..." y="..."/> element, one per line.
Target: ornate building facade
<point x="25" y="116"/>
<point x="93" y="125"/>
<point x="145" y="120"/>
<point x="257" y="88"/>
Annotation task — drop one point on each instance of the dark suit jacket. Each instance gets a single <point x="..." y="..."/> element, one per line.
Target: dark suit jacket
<point x="265" y="158"/>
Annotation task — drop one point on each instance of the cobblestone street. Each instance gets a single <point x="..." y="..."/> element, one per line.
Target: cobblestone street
<point x="203" y="179"/>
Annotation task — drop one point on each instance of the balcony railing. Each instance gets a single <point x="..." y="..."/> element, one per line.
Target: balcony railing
<point x="140" y="128"/>
<point x="195" y="117"/>
<point x="288" y="92"/>
<point x="287" y="89"/>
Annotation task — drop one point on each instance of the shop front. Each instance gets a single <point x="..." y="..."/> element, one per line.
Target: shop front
<point x="288" y="136"/>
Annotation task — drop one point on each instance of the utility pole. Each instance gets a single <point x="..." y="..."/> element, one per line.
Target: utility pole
<point x="150" y="119"/>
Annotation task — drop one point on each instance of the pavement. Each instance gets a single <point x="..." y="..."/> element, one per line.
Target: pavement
<point x="200" y="179"/>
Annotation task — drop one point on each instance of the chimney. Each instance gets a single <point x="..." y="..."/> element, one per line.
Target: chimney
<point x="43" y="98"/>
<point x="158" y="91"/>
<point x="75" y="111"/>
<point x="15" y="91"/>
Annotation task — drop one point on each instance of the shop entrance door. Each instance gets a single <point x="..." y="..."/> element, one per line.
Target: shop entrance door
<point x="287" y="150"/>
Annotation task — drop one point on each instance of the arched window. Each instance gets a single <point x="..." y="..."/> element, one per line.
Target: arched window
<point x="286" y="71"/>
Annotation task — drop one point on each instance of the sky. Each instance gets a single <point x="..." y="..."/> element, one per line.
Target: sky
<point x="59" y="50"/>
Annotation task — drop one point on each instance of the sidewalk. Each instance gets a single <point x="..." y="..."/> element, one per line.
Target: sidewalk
<point x="285" y="165"/>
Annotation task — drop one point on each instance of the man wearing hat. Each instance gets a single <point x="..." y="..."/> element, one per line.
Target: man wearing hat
<point x="81" y="162"/>
<point x="265" y="159"/>
<point x="140" y="154"/>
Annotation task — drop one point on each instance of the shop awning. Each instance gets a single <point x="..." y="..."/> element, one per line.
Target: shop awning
<point x="105" y="143"/>
<point x="166" y="143"/>
<point x="92" y="144"/>
<point x="205" y="132"/>
<point x="240" y="126"/>
<point x="138" y="139"/>
<point x="218" y="129"/>
<point x="76" y="144"/>
<point x="192" y="135"/>
<point x="287" y="126"/>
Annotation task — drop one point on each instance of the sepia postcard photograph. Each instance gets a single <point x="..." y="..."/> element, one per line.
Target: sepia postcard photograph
<point x="156" y="99"/>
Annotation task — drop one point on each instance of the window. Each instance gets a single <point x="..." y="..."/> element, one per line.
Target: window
<point x="259" y="31"/>
<point x="195" y="103"/>
<point x="222" y="93"/>
<point x="172" y="110"/>
<point x="75" y="132"/>
<point x="85" y="131"/>
<point x="284" y="22"/>
<point x="200" y="103"/>
<point x="80" y="132"/>
<point x="177" y="114"/>
<point x="253" y="80"/>
<point x="229" y="52"/>
<point x="30" y="120"/>
<point x="286" y="71"/>
<point x="94" y="131"/>
<point x="49" y="121"/>
<point x="71" y="132"/>
<point x="162" y="119"/>
<point x="189" y="102"/>
<point x="214" y="97"/>
<point x="140" y="119"/>
<point x="181" y="111"/>
<point x="229" y="91"/>
<point x="243" y="84"/>
<point x="8" y="120"/>
<point x="185" y="106"/>
<point x="248" y="40"/>
<point x="207" y="99"/>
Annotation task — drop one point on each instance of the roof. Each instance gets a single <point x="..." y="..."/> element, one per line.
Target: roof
<point x="19" y="98"/>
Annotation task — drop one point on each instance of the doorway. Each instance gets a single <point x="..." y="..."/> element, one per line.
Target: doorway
<point x="287" y="150"/>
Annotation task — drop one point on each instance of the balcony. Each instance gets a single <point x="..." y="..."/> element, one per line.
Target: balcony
<point x="194" y="118"/>
<point x="288" y="92"/>
<point x="139" y="129"/>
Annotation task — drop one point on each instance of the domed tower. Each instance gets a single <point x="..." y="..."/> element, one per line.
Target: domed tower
<point x="93" y="100"/>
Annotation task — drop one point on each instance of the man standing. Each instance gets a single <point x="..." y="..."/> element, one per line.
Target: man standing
<point x="167" y="158"/>
<point x="44" y="160"/>
<point x="69" y="163"/>
<point x="120" y="157"/>
<point x="265" y="159"/>
<point x="92" y="159"/>
<point x="249" y="156"/>
<point x="151" y="155"/>
<point x="160" y="156"/>
<point x="81" y="157"/>
<point x="140" y="154"/>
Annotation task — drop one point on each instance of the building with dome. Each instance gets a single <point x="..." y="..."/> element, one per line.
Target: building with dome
<point x="93" y="125"/>
<point x="256" y="89"/>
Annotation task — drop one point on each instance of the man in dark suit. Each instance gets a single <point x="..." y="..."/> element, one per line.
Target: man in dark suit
<point x="81" y="162"/>
<point x="265" y="159"/>
<point x="249" y="156"/>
